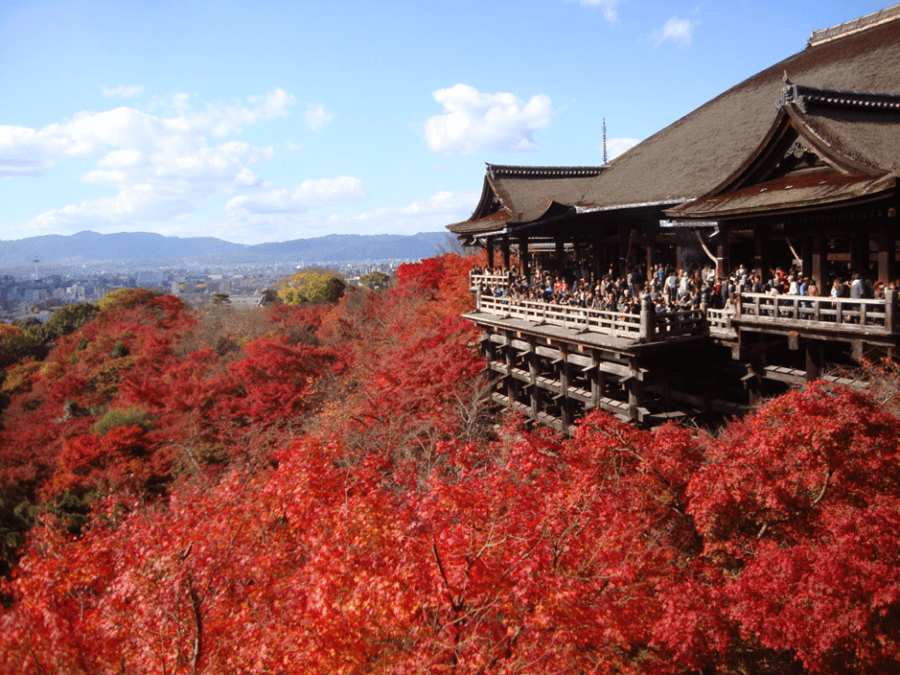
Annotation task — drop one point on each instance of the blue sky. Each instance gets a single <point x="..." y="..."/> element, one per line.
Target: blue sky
<point x="269" y="121"/>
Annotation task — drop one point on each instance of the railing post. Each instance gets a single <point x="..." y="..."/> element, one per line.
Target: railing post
<point x="890" y="309"/>
<point x="647" y="316"/>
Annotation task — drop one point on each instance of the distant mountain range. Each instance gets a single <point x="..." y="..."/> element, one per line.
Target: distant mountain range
<point x="91" y="248"/>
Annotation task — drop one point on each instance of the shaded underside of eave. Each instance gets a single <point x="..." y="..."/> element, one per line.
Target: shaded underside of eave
<point x="787" y="194"/>
<point x="592" y="222"/>
<point x="494" y="223"/>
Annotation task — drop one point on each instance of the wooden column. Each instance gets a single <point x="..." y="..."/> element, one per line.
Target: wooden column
<point x="761" y="254"/>
<point x="533" y="375"/>
<point x="815" y="360"/>
<point x="859" y="254"/>
<point x="490" y="252"/>
<point x="598" y="381"/>
<point x="504" y="250"/>
<point x="635" y="392"/>
<point x="565" y="408"/>
<point x="624" y="239"/>
<point x="817" y="270"/>
<point x="806" y="252"/>
<point x="723" y="252"/>
<point x="523" y="254"/>
<point x="510" y="383"/>
<point x="886" y="253"/>
<point x="560" y="256"/>
<point x="651" y="255"/>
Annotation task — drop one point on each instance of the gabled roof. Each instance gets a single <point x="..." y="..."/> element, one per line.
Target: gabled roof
<point x="691" y="157"/>
<point x="520" y="194"/>
<point x="825" y="146"/>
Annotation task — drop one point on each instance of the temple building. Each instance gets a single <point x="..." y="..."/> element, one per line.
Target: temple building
<point x="792" y="172"/>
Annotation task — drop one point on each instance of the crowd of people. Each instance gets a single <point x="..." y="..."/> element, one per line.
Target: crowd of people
<point x="668" y="289"/>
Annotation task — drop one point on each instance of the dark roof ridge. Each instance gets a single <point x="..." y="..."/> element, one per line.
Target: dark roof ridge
<point x="855" y="26"/>
<point x="803" y="96"/>
<point x="505" y="170"/>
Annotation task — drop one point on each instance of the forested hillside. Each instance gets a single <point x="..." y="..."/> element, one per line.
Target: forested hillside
<point x="322" y="489"/>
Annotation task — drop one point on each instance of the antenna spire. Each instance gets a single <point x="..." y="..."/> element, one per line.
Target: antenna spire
<point x="604" y="140"/>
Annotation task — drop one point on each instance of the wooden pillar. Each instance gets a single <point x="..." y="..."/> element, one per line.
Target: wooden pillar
<point x="890" y="309"/>
<point x="490" y="252"/>
<point x="723" y="252"/>
<point x="647" y="316"/>
<point x="560" y="255"/>
<point x="859" y="254"/>
<point x="523" y="254"/>
<point x="635" y="392"/>
<point x="651" y="255"/>
<point x="565" y="408"/>
<point x="510" y="364"/>
<point x="815" y="360"/>
<point x="624" y="240"/>
<point x="761" y="254"/>
<point x="533" y="375"/>
<point x="817" y="269"/>
<point x="806" y="250"/>
<point x="504" y="250"/>
<point x="602" y="251"/>
<point x="598" y="383"/>
<point x="886" y="253"/>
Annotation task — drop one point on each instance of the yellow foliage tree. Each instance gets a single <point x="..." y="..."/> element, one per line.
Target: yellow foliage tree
<point x="311" y="286"/>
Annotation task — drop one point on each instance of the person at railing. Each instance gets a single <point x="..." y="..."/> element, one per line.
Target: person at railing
<point x="812" y="289"/>
<point x="730" y="304"/>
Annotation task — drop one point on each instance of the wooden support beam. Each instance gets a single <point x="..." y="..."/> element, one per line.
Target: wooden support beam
<point x="815" y="360"/>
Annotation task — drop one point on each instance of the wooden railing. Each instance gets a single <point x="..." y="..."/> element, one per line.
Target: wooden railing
<point x="646" y="326"/>
<point x="484" y="282"/>
<point x="719" y="321"/>
<point x="846" y="314"/>
<point x="794" y="312"/>
<point x="579" y="318"/>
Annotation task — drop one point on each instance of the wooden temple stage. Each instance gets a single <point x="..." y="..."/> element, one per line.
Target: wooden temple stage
<point x="556" y="363"/>
<point x="796" y="167"/>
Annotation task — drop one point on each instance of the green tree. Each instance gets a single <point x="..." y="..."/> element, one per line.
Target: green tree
<point x="376" y="280"/>
<point x="311" y="286"/>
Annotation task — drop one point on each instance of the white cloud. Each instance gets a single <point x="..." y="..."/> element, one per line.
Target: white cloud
<point x="161" y="166"/>
<point x="618" y="146"/>
<point x="609" y="8"/>
<point x="122" y="91"/>
<point x="317" y="117"/>
<point x="306" y="196"/>
<point x="476" y="122"/>
<point x="679" y="31"/>
<point x="248" y="220"/>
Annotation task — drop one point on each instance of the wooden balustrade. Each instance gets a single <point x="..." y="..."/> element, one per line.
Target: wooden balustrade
<point x="486" y="281"/>
<point x="646" y="326"/>
<point x="792" y="312"/>
<point x="852" y="315"/>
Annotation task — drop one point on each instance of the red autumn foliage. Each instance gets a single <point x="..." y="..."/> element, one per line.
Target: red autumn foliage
<point x="305" y="501"/>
